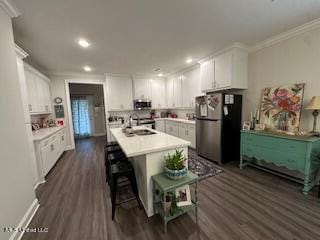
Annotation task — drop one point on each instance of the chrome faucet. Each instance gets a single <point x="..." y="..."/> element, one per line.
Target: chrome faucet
<point x="130" y="119"/>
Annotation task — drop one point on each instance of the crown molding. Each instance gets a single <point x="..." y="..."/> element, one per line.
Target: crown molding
<point x="237" y="45"/>
<point x="74" y="75"/>
<point x="9" y="8"/>
<point x="294" y="32"/>
<point x="184" y="70"/>
<point x="20" y="52"/>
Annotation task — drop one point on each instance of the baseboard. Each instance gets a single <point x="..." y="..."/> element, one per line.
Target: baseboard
<point x="99" y="134"/>
<point x="38" y="183"/>
<point x="25" y="221"/>
<point x="68" y="148"/>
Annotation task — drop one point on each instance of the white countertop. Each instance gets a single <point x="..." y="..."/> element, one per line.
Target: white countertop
<point x="140" y="145"/>
<point x="177" y="120"/>
<point x="43" y="133"/>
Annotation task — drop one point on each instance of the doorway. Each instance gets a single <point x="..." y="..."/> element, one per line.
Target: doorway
<point x="86" y="109"/>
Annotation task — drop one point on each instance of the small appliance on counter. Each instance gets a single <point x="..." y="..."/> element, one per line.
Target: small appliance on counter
<point x="164" y="114"/>
<point x="173" y="115"/>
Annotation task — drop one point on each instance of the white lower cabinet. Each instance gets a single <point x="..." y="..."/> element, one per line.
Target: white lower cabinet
<point x="109" y="134"/>
<point x="172" y="128"/>
<point x="48" y="151"/>
<point x="186" y="131"/>
<point x="160" y="125"/>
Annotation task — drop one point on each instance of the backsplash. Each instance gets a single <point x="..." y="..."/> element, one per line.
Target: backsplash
<point x="182" y="113"/>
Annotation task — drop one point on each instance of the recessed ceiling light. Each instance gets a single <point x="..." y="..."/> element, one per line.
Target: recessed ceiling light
<point x="87" y="68"/>
<point x="160" y="74"/>
<point x="189" y="60"/>
<point x="83" y="43"/>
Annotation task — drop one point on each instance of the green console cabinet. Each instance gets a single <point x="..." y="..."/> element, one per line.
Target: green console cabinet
<point x="295" y="153"/>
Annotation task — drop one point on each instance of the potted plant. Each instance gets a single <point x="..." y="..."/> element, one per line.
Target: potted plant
<point x="175" y="165"/>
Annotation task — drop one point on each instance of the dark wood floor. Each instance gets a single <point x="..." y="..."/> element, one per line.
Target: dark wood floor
<point x="237" y="204"/>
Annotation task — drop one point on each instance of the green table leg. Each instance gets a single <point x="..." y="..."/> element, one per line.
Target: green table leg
<point x="306" y="186"/>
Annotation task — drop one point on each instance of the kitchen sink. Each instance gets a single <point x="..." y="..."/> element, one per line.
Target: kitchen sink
<point x="138" y="132"/>
<point x="143" y="132"/>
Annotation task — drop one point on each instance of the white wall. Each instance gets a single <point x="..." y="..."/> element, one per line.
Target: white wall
<point x="16" y="181"/>
<point x="291" y="61"/>
<point x="57" y="86"/>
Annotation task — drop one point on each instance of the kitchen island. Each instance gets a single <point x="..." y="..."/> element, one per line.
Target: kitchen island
<point x="147" y="152"/>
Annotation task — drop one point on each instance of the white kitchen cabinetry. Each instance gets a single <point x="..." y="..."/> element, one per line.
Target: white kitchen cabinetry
<point x="119" y="93"/>
<point x="177" y="92"/>
<point x="174" y="92"/>
<point x="180" y="128"/>
<point x="48" y="151"/>
<point x="109" y="134"/>
<point x="223" y="69"/>
<point x="190" y="87"/>
<point x="160" y="125"/>
<point x="192" y="135"/>
<point x="207" y="75"/>
<point x="158" y="93"/>
<point x="228" y="70"/>
<point x="142" y="88"/>
<point x="172" y="128"/>
<point x="187" y="132"/>
<point x="170" y="100"/>
<point x="38" y="91"/>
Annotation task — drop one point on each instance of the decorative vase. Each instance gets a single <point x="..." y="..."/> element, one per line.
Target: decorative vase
<point x="176" y="174"/>
<point x="166" y="207"/>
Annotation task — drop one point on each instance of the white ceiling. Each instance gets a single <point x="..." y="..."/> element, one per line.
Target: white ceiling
<point x="136" y="36"/>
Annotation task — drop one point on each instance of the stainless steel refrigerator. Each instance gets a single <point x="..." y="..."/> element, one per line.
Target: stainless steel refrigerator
<point x="218" y="125"/>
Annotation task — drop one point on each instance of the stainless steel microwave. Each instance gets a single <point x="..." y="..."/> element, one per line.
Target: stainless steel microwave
<point x="141" y="104"/>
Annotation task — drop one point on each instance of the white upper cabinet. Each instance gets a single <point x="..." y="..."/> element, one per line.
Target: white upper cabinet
<point x="190" y="87"/>
<point x="228" y="70"/>
<point x="207" y="75"/>
<point x="38" y="91"/>
<point x="174" y="92"/>
<point x="223" y="69"/>
<point x="170" y="99"/>
<point x="119" y="93"/>
<point x="158" y="93"/>
<point x="142" y="88"/>
<point x="177" y="92"/>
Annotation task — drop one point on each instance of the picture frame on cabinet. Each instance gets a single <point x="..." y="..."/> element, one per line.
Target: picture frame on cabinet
<point x="183" y="196"/>
<point x="246" y="125"/>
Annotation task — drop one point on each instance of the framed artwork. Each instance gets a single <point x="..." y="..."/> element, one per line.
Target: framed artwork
<point x="183" y="196"/>
<point x="281" y="107"/>
<point x="246" y="125"/>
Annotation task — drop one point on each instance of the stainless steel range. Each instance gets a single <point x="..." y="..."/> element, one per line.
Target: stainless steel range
<point x="147" y="122"/>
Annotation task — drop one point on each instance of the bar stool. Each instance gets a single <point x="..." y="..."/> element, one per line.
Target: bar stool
<point x="113" y="143"/>
<point x="112" y="158"/>
<point x="122" y="169"/>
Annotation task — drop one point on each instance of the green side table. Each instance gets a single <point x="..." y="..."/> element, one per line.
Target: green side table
<point x="163" y="186"/>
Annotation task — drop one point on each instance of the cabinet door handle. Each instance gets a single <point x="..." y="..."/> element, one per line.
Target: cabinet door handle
<point x="30" y="107"/>
<point x="52" y="147"/>
<point x="62" y="138"/>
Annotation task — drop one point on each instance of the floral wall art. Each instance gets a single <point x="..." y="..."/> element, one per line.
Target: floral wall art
<point x="281" y="107"/>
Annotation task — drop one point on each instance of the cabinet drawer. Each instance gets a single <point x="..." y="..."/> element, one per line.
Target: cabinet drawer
<point x="44" y="143"/>
<point x="183" y="125"/>
<point x="191" y="127"/>
<point x="275" y="143"/>
<point x="290" y="160"/>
